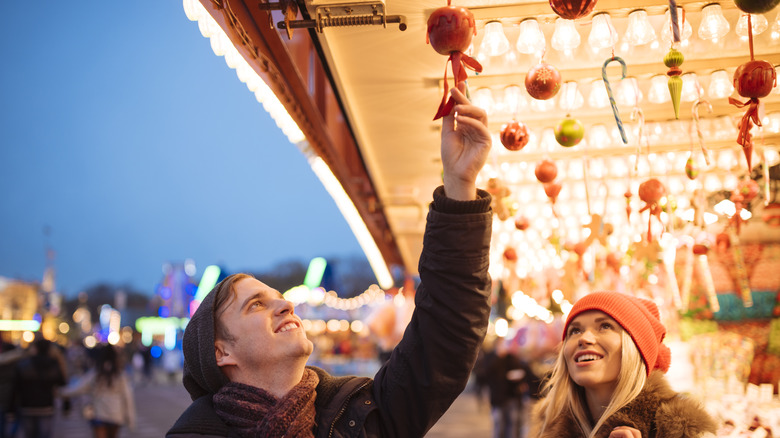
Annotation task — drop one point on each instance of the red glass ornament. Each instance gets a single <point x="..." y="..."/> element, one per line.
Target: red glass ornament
<point x="522" y="223"/>
<point x="514" y="135"/>
<point x="450" y="30"/>
<point x="546" y="171"/>
<point x="543" y="81"/>
<point x="651" y="192"/>
<point x="552" y="190"/>
<point x="572" y="9"/>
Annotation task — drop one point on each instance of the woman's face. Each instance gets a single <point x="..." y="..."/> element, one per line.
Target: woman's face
<point x="593" y="350"/>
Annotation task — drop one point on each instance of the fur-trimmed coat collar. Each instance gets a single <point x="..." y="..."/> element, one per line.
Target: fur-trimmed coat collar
<point x="658" y="411"/>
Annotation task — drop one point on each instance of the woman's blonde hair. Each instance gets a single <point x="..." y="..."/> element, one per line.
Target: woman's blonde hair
<point x="563" y="394"/>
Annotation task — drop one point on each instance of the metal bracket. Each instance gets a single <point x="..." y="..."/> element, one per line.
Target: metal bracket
<point x="346" y="14"/>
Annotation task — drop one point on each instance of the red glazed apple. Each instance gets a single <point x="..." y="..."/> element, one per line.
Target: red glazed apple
<point x="651" y="191"/>
<point x="514" y="135"/>
<point x="450" y="29"/>
<point x="543" y="81"/>
<point x="755" y="79"/>
<point x="522" y="223"/>
<point x="552" y="190"/>
<point x="546" y="171"/>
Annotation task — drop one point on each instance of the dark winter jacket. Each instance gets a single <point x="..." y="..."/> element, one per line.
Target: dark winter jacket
<point x="426" y="371"/>
<point x="37" y="378"/>
<point x="657" y="412"/>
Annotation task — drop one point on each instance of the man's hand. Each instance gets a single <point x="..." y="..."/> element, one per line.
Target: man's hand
<point x="464" y="148"/>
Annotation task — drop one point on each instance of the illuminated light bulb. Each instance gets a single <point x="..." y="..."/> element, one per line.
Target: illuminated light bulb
<point x="598" y="97"/>
<point x="549" y="143"/>
<point x="531" y="39"/>
<point x="602" y="33"/>
<point x="565" y="37"/>
<point x="514" y="99"/>
<point x="691" y="89"/>
<point x="571" y="98"/>
<point x="720" y="85"/>
<point x="759" y="25"/>
<point x="542" y="105"/>
<point x="659" y="90"/>
<point x="494" y="43"/>
<point x="775" y="31"/>
<point x="598" y="136"/>
<point x="639" y="30"/>
<point x="483" y="98"/>
<point x="666" y="33"/>
<point x="628" y="92"/>
<point x="713" y="26"/>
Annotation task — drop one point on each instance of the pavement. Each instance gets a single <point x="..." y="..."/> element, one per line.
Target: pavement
<point x="160" y="403"/>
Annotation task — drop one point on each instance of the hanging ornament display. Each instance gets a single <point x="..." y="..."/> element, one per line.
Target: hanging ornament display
<point x="522" y="223"/>
<point x="450" y="30"/>
<point x="569" y="132"/>
<point x="546" y="171"/>
<point x="697" y="124"/>
<point x="552" y="190"/>
<point x="514" y="135"/>
<point x="628" y="195"/>
<point x="651" y="192"/>
<point x="543" y="81"/>
<point x="674" y="59"/>
<point x="611" y="96"/>
<point x="756" y="6"/>
<point x="753" y="79"/>
<point x="691" y="169"/>
<point x="499" y="192"/>
<point x="572" y="9"/>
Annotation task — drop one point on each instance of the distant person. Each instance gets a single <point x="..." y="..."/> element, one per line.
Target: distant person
<point x="112" y="404"/>
<point x="245" y="350"/>
<point x="37" y="378"/>
<point x="9" y="417"/>
<point x="609" y="378"/>
<point x="507" y="379"/>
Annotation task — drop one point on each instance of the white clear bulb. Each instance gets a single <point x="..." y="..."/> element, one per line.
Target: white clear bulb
<point x="628" y="92"/>
<point x="691" y="88"/>
<point x="666" y="32"/>
<point x="659" y="89"/>
<point x="483" y="98"/>
<point x="494" y="42"/>
<point x="713" y="26"/>
<point x="759" y="25"/>
<point x="531" y="39"/>
<point x="598" y="97"/>
<point x="602" y="33"/>
<point x="514" y="99"/>
<point x="775" y="31"/>
<point x="639" y="30"/>
<point x="565" y="36"/>
<point x="720" y="85"/>
<point x="570" y="97"/>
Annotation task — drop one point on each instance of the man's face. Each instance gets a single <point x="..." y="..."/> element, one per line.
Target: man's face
<point x="593" y="350"/>
<point x="264" y="328"/>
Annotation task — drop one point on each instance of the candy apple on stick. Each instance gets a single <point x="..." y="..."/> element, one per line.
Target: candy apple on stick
<point x="450" y="30"/>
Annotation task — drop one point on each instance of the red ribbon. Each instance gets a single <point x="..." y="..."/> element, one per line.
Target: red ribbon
<point x="750" y="117"/>
<point x="460" y="62"/>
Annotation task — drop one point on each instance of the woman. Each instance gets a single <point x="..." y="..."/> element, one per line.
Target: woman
<point x="112" y="397"/>
<point x="608" y="380"/>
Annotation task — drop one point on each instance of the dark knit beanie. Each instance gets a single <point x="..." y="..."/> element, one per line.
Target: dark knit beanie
<point x="638" y="316"/>
<point x="202" y="375"/>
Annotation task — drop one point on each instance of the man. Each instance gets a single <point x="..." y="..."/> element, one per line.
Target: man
<point x="245" y="350"/>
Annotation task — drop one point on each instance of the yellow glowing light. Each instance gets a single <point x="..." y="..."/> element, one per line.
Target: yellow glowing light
<point x="90" y="341"/>
<point x="28" y="336"/>
<point x="64" y="327"/>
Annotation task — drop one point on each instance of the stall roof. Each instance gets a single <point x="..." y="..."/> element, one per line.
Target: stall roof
<point x="364" y="98"/>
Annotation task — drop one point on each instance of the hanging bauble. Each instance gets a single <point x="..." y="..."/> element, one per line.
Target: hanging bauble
<point x="691" y="169"/>
<point x="756" y="6"/>
<point x="755" y="79"/>
<point x="546" y="171"/>
<point x="514" y="135"/>
<point x="522" y="223"/>
<point x="674" y="60"/>
<point x="748" y="189"/>
<point x="651" y="192"/>
<point x="510" y="255"/>
<point x="450" y="30"/>
<point x="552" y="190"/>
<point x="569" y="132"/>
<point x="543" y="81"/>
<point x="572" y="9"/>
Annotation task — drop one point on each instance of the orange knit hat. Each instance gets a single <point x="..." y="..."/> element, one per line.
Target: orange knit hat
<point x="638" y="316"/>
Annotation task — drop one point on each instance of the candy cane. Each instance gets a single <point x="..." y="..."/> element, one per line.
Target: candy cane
<point x="611" y="96"/>
<point x="637" y="113"/>
<point x="695" y="110"/>
<point x="673" y="19"/>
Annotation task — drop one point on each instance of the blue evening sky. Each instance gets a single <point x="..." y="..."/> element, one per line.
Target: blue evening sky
<point x="124" y="133"/>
